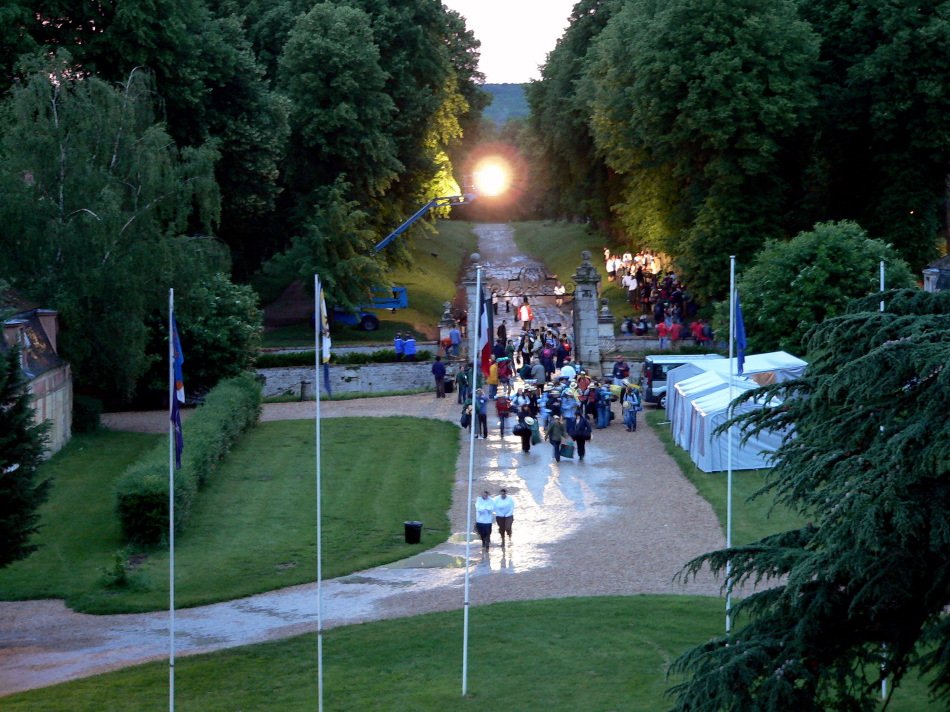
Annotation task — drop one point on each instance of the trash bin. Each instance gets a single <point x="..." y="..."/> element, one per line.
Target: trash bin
<point x="449" y="385"/>
<point x="413" y="532"/>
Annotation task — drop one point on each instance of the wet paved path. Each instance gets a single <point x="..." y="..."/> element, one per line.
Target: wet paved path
<point x="622" y="522"/>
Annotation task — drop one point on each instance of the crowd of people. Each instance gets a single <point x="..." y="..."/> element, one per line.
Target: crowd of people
<point x="561" y="405"/>
<point x="657" y="294"/>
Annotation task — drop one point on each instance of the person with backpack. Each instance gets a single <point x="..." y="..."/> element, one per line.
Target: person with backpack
<point x="503" y="408"/>
<point x="631" y="405"/>
<point x="581" y="432"/>
<point x="505" y="374"/>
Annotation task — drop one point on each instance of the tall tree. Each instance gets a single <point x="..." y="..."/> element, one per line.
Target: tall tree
<point x="21" y="451"/>
<point x="790" y="286"/>
<point x="98" y="202"/>
<point x="882" y="142"/>
<point x="696" y="100"/>
<point x="576" y="175"/>
<point x="862" y="591"/>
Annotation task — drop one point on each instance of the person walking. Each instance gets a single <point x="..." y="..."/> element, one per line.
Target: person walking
<point x="581" y="434"/>
<point x="455" y="341"/>
<point x="491" y="380"/>
<point x="504" y="514"/>
<point x="438" y="371"/>
<point x="555" y="434"/>
<point x="399" y="346"/>
<point x="503" y="408"/>
<point x="481" y="414"/>
<point x="484" y="511"/>
<point x="631" y="405"/>
<point x="525" y="429"/>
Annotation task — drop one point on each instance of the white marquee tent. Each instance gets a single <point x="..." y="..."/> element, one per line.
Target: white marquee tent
<point x="697" y="402"/>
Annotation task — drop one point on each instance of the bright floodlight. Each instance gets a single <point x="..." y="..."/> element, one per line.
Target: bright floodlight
<point x="492" y="176"/>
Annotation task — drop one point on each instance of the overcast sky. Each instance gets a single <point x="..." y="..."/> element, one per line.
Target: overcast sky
<point x="516" y="35"/>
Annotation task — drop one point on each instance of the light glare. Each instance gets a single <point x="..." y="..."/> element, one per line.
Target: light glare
<point x="492" y="177"/>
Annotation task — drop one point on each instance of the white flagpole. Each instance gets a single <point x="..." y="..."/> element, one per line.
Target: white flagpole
<point x="471" y="468"/>
<point x="318" y="351"/>
<point x="171" y="502"/>
<point x="732" y="375"/>
<point x="884" y="645"/>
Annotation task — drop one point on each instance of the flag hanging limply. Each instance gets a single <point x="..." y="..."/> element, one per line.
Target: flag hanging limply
<point x="325" y="330"/>
<point x="178" y="399"/>
<point x="485" y="331"/>
<point x="740" y="336"/>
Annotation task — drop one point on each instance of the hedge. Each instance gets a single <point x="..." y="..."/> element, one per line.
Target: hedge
<point x="142" y="491"/>
<point x="306" y="358"/>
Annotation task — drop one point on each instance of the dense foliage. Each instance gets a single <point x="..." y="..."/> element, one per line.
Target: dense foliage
<point x="292" y="131"/>
<point x="792" y="285"/>
<point x="705" y="129"/>
<point x="21" y="450"/>
<point x="865" y="586"/>
<point x="142" y="492"/>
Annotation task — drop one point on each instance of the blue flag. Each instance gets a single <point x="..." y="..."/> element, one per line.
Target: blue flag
<point x="178" y="399"/>
<point x="740" y="335"/>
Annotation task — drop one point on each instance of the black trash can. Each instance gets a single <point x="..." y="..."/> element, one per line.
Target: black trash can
<point x="413" y="532"/>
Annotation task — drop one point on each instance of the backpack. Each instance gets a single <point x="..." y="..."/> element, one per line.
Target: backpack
<point x="547" y="353"/>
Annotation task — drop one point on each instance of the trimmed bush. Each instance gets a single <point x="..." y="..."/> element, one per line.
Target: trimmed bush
<point x="142" y="492"/>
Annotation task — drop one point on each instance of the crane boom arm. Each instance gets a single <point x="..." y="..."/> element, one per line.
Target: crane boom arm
<point x="420" y="213"/>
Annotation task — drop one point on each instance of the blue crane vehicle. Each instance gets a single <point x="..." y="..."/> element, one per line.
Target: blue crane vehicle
<point x="395" y="297"/>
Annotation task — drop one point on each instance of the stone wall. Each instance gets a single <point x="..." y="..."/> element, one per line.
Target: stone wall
<point x="52" y="393"/>
<point x="364" y="378"/>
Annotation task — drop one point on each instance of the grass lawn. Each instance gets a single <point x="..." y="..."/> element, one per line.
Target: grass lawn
<point x="563" y="655"/>
<point x="751" y="520"/>
<point x="558" y="245"/>
<point x="432" y="279"/>
<point x="253" y="527"/>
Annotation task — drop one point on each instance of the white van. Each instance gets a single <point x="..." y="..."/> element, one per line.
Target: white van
<point x="655" y="368"/>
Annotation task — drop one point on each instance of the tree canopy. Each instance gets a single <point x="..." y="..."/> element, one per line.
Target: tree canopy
<point x="792" y="285"/>
<point x="861" y="591"/>
<point x="710" y="128"/>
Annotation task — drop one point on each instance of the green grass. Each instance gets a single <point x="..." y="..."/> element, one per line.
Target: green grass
<point x="252" y="528"/>
<point x="563" y="655"/>
<point x="558" y="245"/>
<point x="752" y="519"/>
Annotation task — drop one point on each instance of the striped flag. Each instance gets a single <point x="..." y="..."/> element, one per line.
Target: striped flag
<point x="486" y="328"/>
<point x="178" y="399"/>
<point x="324" y="326"/>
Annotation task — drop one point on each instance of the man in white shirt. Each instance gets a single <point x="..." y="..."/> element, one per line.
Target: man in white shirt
<point x="484" y="509"/>
<point x="504" y="514"/>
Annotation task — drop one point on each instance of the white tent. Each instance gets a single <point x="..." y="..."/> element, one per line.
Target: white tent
<point x="687" y="391"/>
<point x="710" y="451"/>
<point x="698" y="400"/>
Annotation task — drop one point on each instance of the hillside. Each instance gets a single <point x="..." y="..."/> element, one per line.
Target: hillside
<point x="508" y="102"/>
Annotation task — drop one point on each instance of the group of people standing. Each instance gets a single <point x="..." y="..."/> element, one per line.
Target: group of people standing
<point x="499" y="510"/>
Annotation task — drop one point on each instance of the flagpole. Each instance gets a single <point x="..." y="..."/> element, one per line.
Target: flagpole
<point x="883" y="645"/>
<point x="171" y="501"/>
<point x="317" y="349"/>
<point x="471" y="465"/>
<point x="882" y="286"/>
<point x="732" y="375"/>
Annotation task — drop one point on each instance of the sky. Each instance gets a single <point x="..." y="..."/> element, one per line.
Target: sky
<point x="516" y="35"/>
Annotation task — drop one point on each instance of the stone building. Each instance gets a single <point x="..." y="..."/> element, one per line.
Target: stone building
<point x="937" y="275"/>
<point x="50" y="379"/>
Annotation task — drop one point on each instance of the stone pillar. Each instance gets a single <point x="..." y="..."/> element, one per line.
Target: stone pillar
<point x="446" y="322"/>
<point x="606" y="337"/>
<point x="471" y="302"/>
<point x="586" y="316"/>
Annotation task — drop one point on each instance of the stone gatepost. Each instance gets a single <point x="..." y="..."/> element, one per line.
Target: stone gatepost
<point x="471" y="301"/>
<point x="605" y="329"/>
<point x="586" y="315"/>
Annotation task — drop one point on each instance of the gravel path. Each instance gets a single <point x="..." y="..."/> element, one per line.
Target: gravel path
<point x="622" y="522"/>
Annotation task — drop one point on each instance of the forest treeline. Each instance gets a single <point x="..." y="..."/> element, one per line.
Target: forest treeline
<point x="705" y="128"/>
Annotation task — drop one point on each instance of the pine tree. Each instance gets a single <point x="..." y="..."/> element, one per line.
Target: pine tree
<point x="21" y="451"/>
<point x="864" y="587"/>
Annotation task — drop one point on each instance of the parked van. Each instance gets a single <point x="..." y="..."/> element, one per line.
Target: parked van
<point x="655" y="368"/>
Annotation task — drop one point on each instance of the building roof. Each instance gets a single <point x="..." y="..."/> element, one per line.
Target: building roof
<point x="38" y="354"/>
